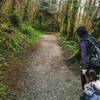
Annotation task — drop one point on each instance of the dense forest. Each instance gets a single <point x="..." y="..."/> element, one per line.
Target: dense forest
<point x="23" y="22"/>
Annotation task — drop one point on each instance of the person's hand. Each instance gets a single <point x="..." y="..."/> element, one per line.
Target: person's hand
<point x="85" y="87"/>
<point x="84" y="71"/>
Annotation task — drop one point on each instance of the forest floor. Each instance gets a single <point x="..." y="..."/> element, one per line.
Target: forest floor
<point x="42" y="74"/>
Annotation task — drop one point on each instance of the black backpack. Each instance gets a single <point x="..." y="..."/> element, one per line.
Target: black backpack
<point x="93" y="52"/>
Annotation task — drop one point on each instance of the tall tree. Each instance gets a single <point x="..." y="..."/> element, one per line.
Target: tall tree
<point x="72" y="18"/>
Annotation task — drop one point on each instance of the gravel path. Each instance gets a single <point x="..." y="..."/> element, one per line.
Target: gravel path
<point x="45" y="76"/>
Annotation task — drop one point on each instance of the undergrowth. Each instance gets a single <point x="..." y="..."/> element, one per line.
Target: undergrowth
<point x="70" y="45"/>
<point x="72" y="48"/>
<point x="14" y="36"/>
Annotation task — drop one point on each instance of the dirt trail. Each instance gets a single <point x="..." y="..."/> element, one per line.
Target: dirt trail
<point x="44" y="75"/>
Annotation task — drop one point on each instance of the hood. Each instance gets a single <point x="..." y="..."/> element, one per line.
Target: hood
<point x="97" y="85"/>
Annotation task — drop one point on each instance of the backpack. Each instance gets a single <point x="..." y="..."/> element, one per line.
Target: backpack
<point x="94" y="51"/>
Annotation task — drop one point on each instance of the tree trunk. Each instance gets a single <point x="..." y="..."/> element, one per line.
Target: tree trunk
<point x="72" y="19"/>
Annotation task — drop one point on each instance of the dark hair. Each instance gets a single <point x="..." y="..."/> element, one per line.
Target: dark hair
<point x="82" y="32"/>
<point x="91" y="75"/>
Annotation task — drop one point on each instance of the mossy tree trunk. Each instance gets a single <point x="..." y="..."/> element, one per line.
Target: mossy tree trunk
<point x="64" y="25"/>
<point x="72" y="19"/>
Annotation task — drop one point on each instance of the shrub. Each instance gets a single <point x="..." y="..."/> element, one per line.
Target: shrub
<point x="14" y="18"/>
<point x="29" y="30"/>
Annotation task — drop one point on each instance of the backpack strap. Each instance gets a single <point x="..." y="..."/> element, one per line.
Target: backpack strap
<point x="92" y="41"/>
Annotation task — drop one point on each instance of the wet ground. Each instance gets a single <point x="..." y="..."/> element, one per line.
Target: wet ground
<point x="42" y="74"/>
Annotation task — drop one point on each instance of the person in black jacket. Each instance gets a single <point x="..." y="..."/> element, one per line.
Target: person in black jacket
<point x="84" y="45"/>
<point x="85" y="49"/>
